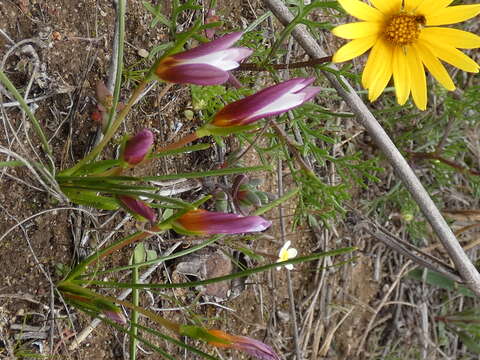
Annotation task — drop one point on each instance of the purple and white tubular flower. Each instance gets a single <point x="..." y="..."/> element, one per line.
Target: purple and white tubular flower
<point x="115" y="316"/>
<point x="138" y="147"/>
<point x="271" y="101"/>
<point x="137" y="207"/>
<point x="206" y="64"/>
<point x="251" y="346"/>
<point x="203" y="222"/>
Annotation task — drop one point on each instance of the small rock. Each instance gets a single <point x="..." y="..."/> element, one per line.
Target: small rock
<point x="283" y="316"/>
<point x="143" y="53"/>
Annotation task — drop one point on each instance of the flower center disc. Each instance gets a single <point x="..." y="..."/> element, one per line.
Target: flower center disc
<point x="404" y="29"/>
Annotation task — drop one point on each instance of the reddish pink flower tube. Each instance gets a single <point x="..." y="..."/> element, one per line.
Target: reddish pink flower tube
<point x="251" y="346"/>
<point x="271" y="101"/>
<point x="207" y="64"/>
<point x="138" y="147"/>
<point x="204" y="222"/>
<point x="138" y="207"/>
<point x="116" y="316"/>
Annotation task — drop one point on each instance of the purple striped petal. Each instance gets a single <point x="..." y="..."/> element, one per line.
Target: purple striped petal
<point x="271" y="101"/>
<point x="138" y="207"/>
<point x="207" y="222"/>
<point x="255" y="348"/>
<point x="221" y="43"/>
<point x="138" y="147"/>
<point x="205" y="64"/>
<point x="198" y="74"/>
<point x="227" y="59"/>
<point x="115" y="316"/>
<point x="251" y="346"/>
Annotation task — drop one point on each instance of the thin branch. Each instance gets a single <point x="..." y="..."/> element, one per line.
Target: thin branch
<point x="297" y="65"/>
<point x="436" y="156"/>
<point x="363" y="115"/>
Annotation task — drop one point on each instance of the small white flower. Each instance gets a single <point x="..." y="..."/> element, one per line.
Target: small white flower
<point x="286" y="253"/>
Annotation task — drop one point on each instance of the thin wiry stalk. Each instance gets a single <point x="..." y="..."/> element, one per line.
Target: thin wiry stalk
<point x="116" y="65"/>
<point x="38" y="129"/>
<point x="4" y="235"/>
<point x="64" y="90"/>
<point x="291" y="299"/>
<point x="44" y="176"/>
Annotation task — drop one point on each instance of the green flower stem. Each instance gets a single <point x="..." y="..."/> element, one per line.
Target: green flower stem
<point x="216" y="172"/>
<point x="159" y="335"/>
<point x="245" y="273"/>
<point x="134" y="314"/>
<point x="36" y="125"/>
<point x="140" y="338"/>
<point x="176" y="342"/>
<point x="190" y="250"/>
<point x="112" y="130"/>
<point x="74" y="180"/>
<point x="178" y="144"/>
<point x="91" y="260"/>
<point x="108" y="299"/>
<point x="177" y="202"/>
<point x="182" y="150"/>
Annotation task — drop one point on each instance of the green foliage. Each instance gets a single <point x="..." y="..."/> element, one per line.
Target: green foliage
<point x="466" y="324"/>
<point x="438" y="280"/>
<point x="209" y="99"/>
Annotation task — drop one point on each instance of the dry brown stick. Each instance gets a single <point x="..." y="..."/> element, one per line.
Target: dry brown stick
<point x="436" y="156"/>
<point x="465" y="267"/>
<point x="412" y="252"/>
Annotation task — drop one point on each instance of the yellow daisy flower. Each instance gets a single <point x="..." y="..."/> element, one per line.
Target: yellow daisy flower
<point x="404" y="37"/>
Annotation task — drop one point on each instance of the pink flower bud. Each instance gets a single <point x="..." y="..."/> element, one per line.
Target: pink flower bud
<point x="138" y="147"/>
<point x="115" y="316"/>
<point x="138" y="207"/>
<point x="207" y="64"/>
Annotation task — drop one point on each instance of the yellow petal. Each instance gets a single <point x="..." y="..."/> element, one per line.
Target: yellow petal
<point x="434" y="65"/>
<point x="411" y="5"/>
<point x="387" y="7"/>
<point x="452" y="37"/>
<point x="449" y="53"/>
<point x="454" y="57"/>
<point x="382" y="74"/>
<point x="417" y="78"/>
<point x="361" y="10"/>
<point x="401" y="75"/>
<point x="431" y="6"/>
<point x="357" y="30"/>
<point x="354" y="48"/>
<point x="373" y="63"/>
<point x="452" y="15"/>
